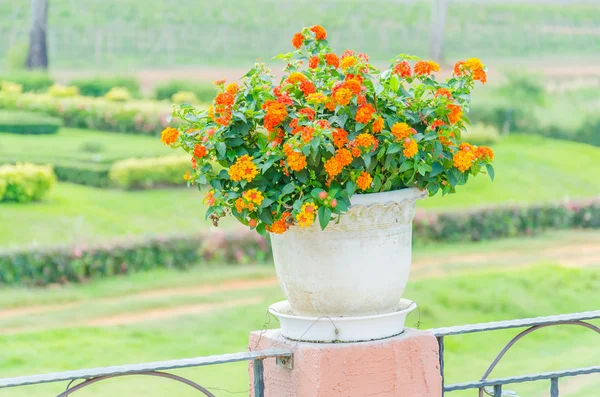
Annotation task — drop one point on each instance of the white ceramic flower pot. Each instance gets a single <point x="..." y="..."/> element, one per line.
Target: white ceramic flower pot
<point x="357" y="267"/>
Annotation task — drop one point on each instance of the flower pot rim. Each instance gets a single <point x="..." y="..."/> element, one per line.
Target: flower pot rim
<point x="383" y="198"/>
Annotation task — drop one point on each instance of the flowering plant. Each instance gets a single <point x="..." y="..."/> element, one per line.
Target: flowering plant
<point x="285" y="154"/>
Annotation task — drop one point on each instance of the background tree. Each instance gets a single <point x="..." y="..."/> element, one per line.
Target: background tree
<point x="37" y="57"/>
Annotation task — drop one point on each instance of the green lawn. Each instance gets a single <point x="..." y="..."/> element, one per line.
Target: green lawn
<point x="65" y="336"/>
<point x="78" y="145"/>
<point x="529" y="169"/>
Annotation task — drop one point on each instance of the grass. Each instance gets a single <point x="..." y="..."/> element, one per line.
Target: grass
<point x="530" y="169"/>
<point x="118" y="33"/>
<point x="78" y="145"/>
<point x="527" y="171"/>
<point x="61" y="340"/>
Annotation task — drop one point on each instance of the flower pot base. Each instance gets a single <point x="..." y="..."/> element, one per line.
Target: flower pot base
<point x="341" y="329"/>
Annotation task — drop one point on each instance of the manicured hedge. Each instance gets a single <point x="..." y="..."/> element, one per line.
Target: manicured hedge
<point x="19" y="122"/>
<point x="89" y="174"/>
<point x="31" y="81"/>
<point x="98" y="86"/>
<point x="147" y="173"/>
<point x="134" y="117"/>
<point x="510" y="221"/>
<point x="25" y="182"/>
<point x="74" y="264"/>
<point x="204" y="92"/>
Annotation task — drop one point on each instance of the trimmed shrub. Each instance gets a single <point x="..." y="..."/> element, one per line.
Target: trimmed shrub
<point x="31" y="81"/>
<point x="42" y="266"/>
<point x="481" y="134"/>
<point x="135" y="117"/>
<point x="148" y="173"/>
<point x="118" y="94"/>
<point x="11" y="88"/>
<point x="510" y="221"/>
<point x="100" y="85"/>
<point x="61" y="91"/>
<point x="184" y="97"/>
<point x="28" y="123"/>
<point x="204" y="92"/>
<point x="25" y="182"/>
<point x="89" y="174"/>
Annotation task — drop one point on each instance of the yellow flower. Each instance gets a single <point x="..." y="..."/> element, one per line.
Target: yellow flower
<point x="348" y="62"/>
<point x="343" y="96"/>
<point x="243" y="168"/>
<point x="253" y="196"/>
<point x="307" y="214"/>
<point x="463" y="160"/>
<point x="317" y="97"/>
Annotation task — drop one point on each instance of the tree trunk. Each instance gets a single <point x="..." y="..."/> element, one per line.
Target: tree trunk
<point x="438" y="24"/>
<point x="37" y="57"/>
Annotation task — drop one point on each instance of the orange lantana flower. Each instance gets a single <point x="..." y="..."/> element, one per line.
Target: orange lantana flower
<point x="364" y="181"/>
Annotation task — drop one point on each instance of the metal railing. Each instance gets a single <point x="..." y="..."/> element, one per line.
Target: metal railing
<point x="91" y="376"/>
<point x="493" y="387"/>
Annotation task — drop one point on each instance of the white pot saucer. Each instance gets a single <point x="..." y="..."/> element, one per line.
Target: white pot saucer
<point x="341" y="329"/>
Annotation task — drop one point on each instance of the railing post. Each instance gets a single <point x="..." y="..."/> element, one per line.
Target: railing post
<point x="259" y="382"/>
<point x="554" y="387"/>
<point x="497" y="390"/>
<point x="441" y="349"/>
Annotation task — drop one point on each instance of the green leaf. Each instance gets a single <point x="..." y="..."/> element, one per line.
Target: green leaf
<point x="367" y="160"/>
<point x="315" y="192"/>
<point x="405" y="166"/>
<point x="302" y="176"/>
<point x="395" y="83"/>
<point x="436" y="169"/>
<point x="266" y="202"/>
<point x="265" y="216"/>
<point x="350" y="188"/>
<point x="216" y="184"/>
<point x="240" y="116"/>
<point x="394" y="148"/>
<point x="289" y="188"/>
<point x="490" y="171"/>
<point x="221" y="149"/>
<point x="324" y="217"/>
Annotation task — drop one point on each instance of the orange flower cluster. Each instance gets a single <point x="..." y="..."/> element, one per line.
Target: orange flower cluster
<point x="402" y="130"/>
<point x="443" y="92"/>
<point x="298" y="40"/>
<point x="348" y="62"/>
<point x="232" y="88"/>
<point x="313" y="62"/>
<point x="307" y="87"/>
<point x="307" y="134"/>
<point x="296" y="160"/>
<point x="223" y="103"/>
<point x="340" y="137"/>
<point x="366" y="141"/>
<point x="243" y="168"/>
<point x="296" y="77"/>
<point x="410" y="148"/>
<point x="319" y="31"/>
<point x="364" y="181"/>
<point x="308" y="112"/>
<point x="282" y="225"/>
<point x="353" y="85"/>
<point x="187" y="176"/>
<point x="342" y="96"/>
<point x="332" y="60"/>
<point x="467" y="154"/>
<point x="455" y="113"/>
<point x="402" y="69"/>
<point x="169" y="136"/>
<point x="209" y="199"/>
<point x="475" y="66"/>
<point x="307" y="214"/>
<point x="316" y="98"/>
<point x="423" y="68"/>
<point x="463" y="160"/>
<point x="484" y="153"/>
<point x="250" y="200"/>
<point x="275" y="114"/>
<point x="364" y="113"/>
<point x="378" y="124"/>
<point x="200" y="151"/>
<point x="335" y="164"/>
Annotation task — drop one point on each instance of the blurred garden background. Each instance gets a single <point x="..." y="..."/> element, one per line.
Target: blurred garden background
<point x="106" y="257"/>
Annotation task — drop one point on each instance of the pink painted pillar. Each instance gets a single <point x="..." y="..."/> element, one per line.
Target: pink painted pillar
<point x="403" y="366"/>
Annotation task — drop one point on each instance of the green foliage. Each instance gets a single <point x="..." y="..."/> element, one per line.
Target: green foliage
<point x="118" y="94"/>
<point x="500" y="222"/>
<point x="184" y="97"/>
<point x="18" y="122"/>
<point x="134" y="117"/>
<point x="31" y="81"/>
<point x="82" y="173"/>
<point x="99" y="86"/>
<point x="204" y="92"/>
<point x="25" y="182"/>
<point x="481" y="134"/>
<point x="11" y="88"/>
<point x="73" y="264"/>
<point x="61" y="91"/>
<point x="16" y="56"/>
<point x="147" y="173"/>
